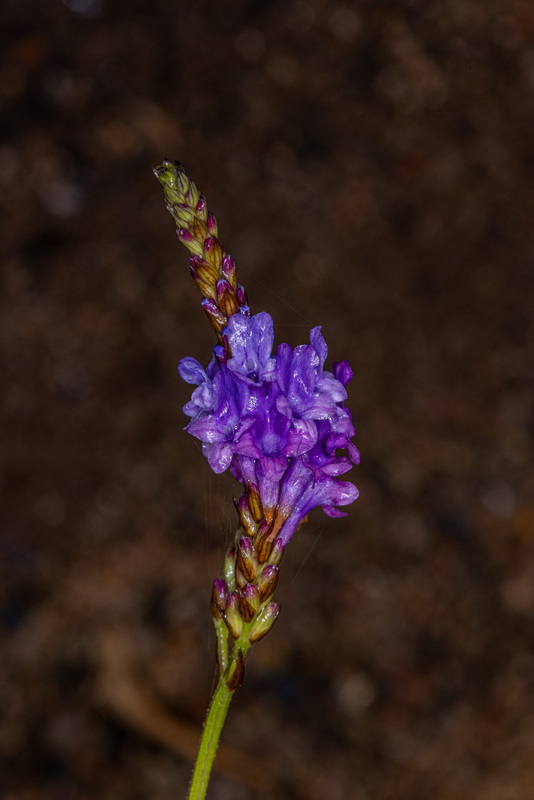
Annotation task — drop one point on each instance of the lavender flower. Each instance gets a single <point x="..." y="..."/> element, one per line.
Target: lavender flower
<point x="278" y="422"/>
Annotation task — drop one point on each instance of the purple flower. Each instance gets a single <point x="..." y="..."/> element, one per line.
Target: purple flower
<point x="252" y="343"/>
<point x="279" y="422"/>
<point x="308" y="390"/>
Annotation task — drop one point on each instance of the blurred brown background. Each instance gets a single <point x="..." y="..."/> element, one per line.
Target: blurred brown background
<point x="371" y="168"/>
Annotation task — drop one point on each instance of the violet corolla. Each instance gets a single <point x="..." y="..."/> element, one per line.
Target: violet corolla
<point x="277" y="422"/>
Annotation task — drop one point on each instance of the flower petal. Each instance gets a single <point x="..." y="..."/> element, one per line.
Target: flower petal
<point x="191" y="371"/>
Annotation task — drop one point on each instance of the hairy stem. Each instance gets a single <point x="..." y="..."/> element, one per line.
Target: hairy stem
<point x="215" y="719"/>
<point x="210" y="740"/>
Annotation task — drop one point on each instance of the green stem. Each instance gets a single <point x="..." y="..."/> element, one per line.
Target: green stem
<point x="210" y="740"/>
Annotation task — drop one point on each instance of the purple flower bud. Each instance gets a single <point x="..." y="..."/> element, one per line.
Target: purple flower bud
<point x="241" y="296"/>
<point x="342" y="371"/>
<point x="212" y="224"/>
<point x="228" y="269"/>
<point x="215" y="316"/>
<point x="223" y="287"/>
<point x="201" y="207"/>
<point x="184" y="235"/>
<point x="221" y="591"/>
<point x="228" y="265"/>
<point x="245" y="547"/>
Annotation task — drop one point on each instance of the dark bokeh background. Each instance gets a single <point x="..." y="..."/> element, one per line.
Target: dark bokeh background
<point x="371" y="166"/>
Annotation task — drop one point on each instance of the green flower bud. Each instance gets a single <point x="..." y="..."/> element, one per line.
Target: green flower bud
<point x="264" y="622"/>
<point x="232" y="617"/>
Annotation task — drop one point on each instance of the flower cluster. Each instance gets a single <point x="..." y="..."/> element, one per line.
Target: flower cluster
<point x="277" y="421"/>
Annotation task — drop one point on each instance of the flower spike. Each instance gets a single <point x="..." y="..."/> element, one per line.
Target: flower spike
<point x="277" y="419"/>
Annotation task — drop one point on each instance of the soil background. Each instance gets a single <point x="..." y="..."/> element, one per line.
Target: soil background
<point x="371" y="167"/>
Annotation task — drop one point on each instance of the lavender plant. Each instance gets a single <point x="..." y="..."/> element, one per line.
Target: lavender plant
<point x="277" y="421"/>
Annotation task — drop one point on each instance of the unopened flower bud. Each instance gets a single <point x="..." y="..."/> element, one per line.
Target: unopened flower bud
<point x="277" y="552"/>
<point x="184" y="235"/>
<point x="254" y="502"/>
<point x="194" y="246"/>
<point x="228" y="270"/>
<point x="232" y="617"/>
<point x="201" y="208"/>
<point x="267" y="580"/>
<point x="212" y="224"/>
<point x="263" y="549"/>
<point x="200" y="272"/>
<point x="218" y="320"/>
<point x="219" y="596"/>
<point x="240" y="579"/>
<point x="241" y="296"/>
<point x="264" y="622"/>
<point x="213" y="250"/>
<point x="176" y="184"/>
<point x="204" y="270"/>
<point x="226" y="299"/>
<point x="249" y="601"/>
<point x="236" y="672"/>
<point x="184" y="213"/>
<point x="262" y="542"/>
<point x="245" y="517"/>
<point x="229" y="568"/>
<point x="246" y="560"/>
